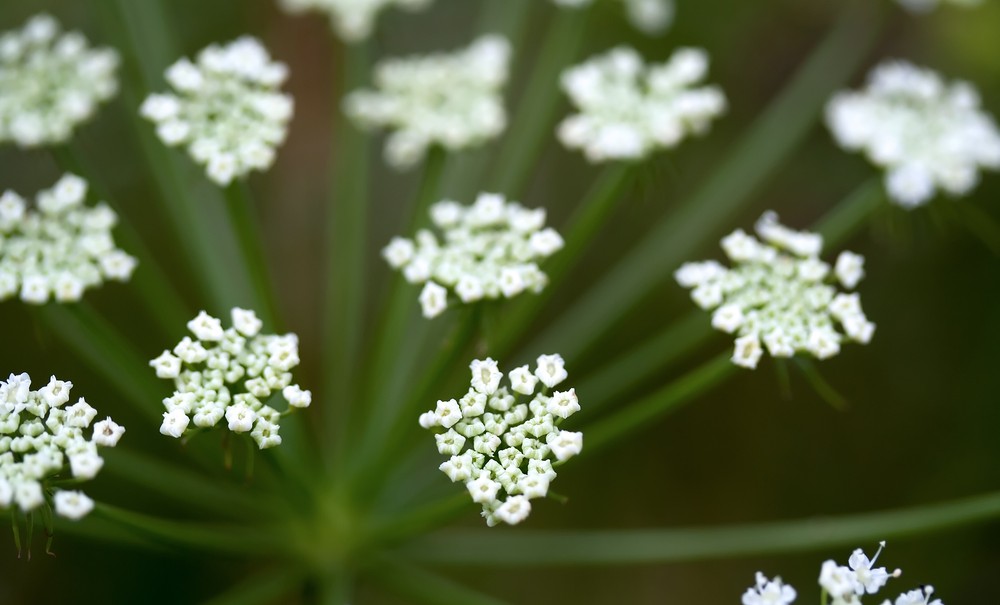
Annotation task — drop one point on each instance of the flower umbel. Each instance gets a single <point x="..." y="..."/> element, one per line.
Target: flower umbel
<point x="352" y="19"/>
<point x="43" y="439"/>
<point x="491" y="249"/>
<point x="50" y="82"/>
<point x="233" y="373"/>
<point x="505" y="442"/>
<point x="449" y="99"/>
<point x="927" y="134"/>
<point x="227" y="109"/>
<point x="59" y="248"/>
<point x="779" y="294"/>
<point x="628" y="110"/>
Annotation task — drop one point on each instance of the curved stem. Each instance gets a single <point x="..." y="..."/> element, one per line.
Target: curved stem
<point x="644" y="546"/>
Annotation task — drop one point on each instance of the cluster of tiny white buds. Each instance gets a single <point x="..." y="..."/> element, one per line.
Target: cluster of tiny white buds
<point x="353" y="20"/>
<point x="59" y="248"/>
<point x="779" y="294"/>
<point x="42" y="439"/>
<point x="513" y="435"/>
<point x="927" y="134"/>
<point x="226" y="109"/>
<point x="926" y="6"/>
<point x="490" y="250"/>
<point x="769" y="592"/>
<point x="628" y="110"/>
<point x="651" y="17"/>
<point x="231" y="373"/>
<point x="50" y="82"/>
<point x="453" y="100"/>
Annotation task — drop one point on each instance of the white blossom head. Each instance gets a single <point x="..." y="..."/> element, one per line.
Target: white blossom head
<point x="226" y="109"/>
<point x="235" y="373"/>
<point x="43" y="440"/>
<point x="50" y="82"/>
<point x="453" y="100"/>
<point x="628" y="109"/>
<point x="769" y="592"/>
<point x="926" y="6"/>
<point x="857" y="578"/>
<point x="353" y="20"/>
<point x="927" y="134"/>
<point x="58" y="248"/>
<point x="488" y="250"/>
<point x="779" y="295"/>
<point x="651" y="17"/>
<point x="504" y="442"/>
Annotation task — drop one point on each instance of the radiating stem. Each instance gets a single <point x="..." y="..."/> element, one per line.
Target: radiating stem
<point x="844" y="219"/>
<point x="261" y="588"/>
<point x="421" y="586"/>
<point x="646" y="546"/>
<point x="239" y="203"/>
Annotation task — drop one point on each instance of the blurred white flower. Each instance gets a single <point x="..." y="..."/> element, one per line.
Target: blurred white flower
<point x="50" y="82"/>
<point x="628" y="109"/>
<point x="926" y="6"/>
<point x="927" y="134"/>
<point x="449" y="99"/>
<point x="353" y="20"/>
<point x="226" y="108"/>
<point x="652" y="17"/>
<point x="769" y="592"/>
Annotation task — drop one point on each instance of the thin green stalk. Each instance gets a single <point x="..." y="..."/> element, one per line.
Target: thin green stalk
<point x="347" y="225"/>
<point x="418" y="585"/>
<point x="819" y="384"/>
<point x="336" y="588"/>
<point x="667" y="399"/>
<point x="535" y="114"/>
<point x="239" y="204"/>
<point x="656" y="546"/>
<point x="765" y="147"/>
<point x="402" y="526"/>
<point x="261" y="588"/>
<point x="844" y="219"/>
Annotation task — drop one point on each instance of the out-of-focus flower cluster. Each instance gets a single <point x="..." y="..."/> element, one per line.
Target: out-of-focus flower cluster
<point x="925" y="6"/>
<point x="50" y="82"/>
<point x="648" y="16"/>
<point x="490" y="249"/>
<point x="353" y="20"/>
<point x="505" y="442"/>
<point x="42" y="440"/>
<point x="449" y="99"/>
<point x="60" y="248"/>
<point x="927" y="134"/>
<point x="231" y="373"/>
<point x="227" y="108"/>
<point x="780" y="293"/>
<point x="629" y="109"/>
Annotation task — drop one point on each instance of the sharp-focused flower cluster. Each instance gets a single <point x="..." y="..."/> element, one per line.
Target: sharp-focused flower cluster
<point x="629" y="109"/>
<point x="43" y="441"/>
<point x="925" y="6"/>
<point x="490" y="249"/>
<point x="59" y="249"/>
<point x="449" y="99"/>
<point x="842" y="584"/>
<point x="651" y="17"/>
<point x="353" y="20"/>
<point x="927" y="134"/>
<point x="50" y="82"/>
<point x="232" y="373"/>
<point x="505" y="442"/>
<point x="227" y="109"/>
<point x="780" y="293"/>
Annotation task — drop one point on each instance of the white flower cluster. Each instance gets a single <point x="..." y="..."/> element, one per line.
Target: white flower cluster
<point x="781" y="293"/>
<point x="925" y="6"/>
<point x="227" y="109"/>
<point x="352" y="19"/>
<point x="651" y="17"/>
<point x="927" y="134"/>
<point x="50" y="82"/>
<point x="842" y="584"/>
<point x="42" y="440"/>
<point x="629" y="109"/>
<point x="490" y="249"/>
<point x="512" y="444"/>
<point x="59" y="249"/>
<point x="449" y="99"/>
<point x="230" y="373"/>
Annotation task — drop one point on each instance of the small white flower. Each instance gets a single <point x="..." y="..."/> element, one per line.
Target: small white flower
<point x="550" y="369"/>
<point x="837" y="580"/>
<point x="522" y="380"/>
<point x="56" y="392"/>
<point x="727" y="318"/>
<point x="353" y="20"/>
<point x="565" y="444"/>
<point x="28" y="494"/>
<point x="175" y="422"/>
<point x="769" y="592"/>
<point x="483" y="490"/>
<point x="433" y="300"/>
<point x="296" y="397"/>
<point x="450" y="443"/>
<point x="107" y="432"/>
<point x="240" y="418"/>
<point x="563" y="404"/>
<point x="72" y="505"/>
<point x="850" y="268"/>
<point x="870" y="579"/>
<point x="399" y="252"/>
<point x="246" y="322"/>
<point x="514" y="510"/>
<point x="206" y="328"/>
<point x="485" y="375"/>
<point x="85" y="464"/>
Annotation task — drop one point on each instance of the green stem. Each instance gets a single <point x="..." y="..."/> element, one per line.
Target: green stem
<point x="823" y="596"/>
<point x="400" y="527"/>
<point x="336" y="587"/>
<point x="239" y="203"/>
<point x="765" y="147"/>
<point x="421" y="586"/>
<point x="819" y="384"/>
<point x="347" y="225"/>
<point x="667" y="399"/>
<point x="646" y="546"/>
<point x="16" y="528"/>
<point x="851" y="213"/>
<point x="261" y="588"/>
